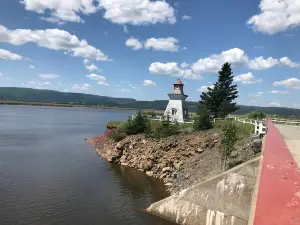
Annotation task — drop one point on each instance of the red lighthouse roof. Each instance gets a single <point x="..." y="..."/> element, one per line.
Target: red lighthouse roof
<point x="178" y="82"/>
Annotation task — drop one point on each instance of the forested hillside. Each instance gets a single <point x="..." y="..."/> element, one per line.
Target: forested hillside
<point x="48" y="96"/>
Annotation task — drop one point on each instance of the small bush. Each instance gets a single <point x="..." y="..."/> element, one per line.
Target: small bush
<point x="229" y="139"/>
<point x="138" y="125"/>
<point x="202" y="121"/>
<point x="166" y="128"/>
<point x="117" y="135"/>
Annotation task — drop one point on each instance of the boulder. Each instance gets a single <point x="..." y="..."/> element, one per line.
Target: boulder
<point x="166" y="169"/>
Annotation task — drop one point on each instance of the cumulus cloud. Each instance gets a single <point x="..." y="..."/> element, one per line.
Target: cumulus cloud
<point x="162" y="44"/>
<point x="100" y="79"/>
<point x="92" y="68"/>
<point x="260" y="63"/>
<point x="31" y="66"/>
<point x="205" y="88"/>
<point x="134" y="43"/>
<point x="213" y="63"/>
<point x="62" y="11"/>
<point x="169" y="44"/>
<point x="186" y="17"/>
<point x="138" y="12"/>
<point x="247" y="78"/>
<point x="184" y="65"/>
<point x="288" y="83"/>
<point x="48" y="76"/>
<point x="124" y="90"/>
<point x="280" y="92"/>
<point x="37" y="84"/>
<point x="172" y="69"/>
<point x="134" y="12"/>
<point x="80" y="87"/>
<point x="287" y="62"/>
<point x="53" y="39"/>
<point x="7" y="55"/>
<point x="149" y="83"/>
<point x="276" y="16"/>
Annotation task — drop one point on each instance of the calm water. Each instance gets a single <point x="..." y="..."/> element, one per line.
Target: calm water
<point x="49" y="175"/>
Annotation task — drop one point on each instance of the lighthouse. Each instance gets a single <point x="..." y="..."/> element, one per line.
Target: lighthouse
<point x="177" y="108"/>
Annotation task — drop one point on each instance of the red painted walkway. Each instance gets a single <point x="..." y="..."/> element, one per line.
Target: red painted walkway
<point x="278" y="199"/>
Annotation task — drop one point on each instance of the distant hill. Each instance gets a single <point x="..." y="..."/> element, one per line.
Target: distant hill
<point x="48" y="96"/>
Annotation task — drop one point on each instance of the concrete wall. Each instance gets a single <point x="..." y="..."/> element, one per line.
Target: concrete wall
<point x="223" y="199"/>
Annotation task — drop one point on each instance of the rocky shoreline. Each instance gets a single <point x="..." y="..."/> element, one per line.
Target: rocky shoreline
<point x="179" y="161"/>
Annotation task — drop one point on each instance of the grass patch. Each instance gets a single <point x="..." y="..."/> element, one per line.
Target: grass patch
<point x="243" y="130"/>
<point x="115" y="123"/>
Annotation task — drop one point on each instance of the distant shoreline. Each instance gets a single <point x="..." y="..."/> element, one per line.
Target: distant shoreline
<point x="3" y="102"/>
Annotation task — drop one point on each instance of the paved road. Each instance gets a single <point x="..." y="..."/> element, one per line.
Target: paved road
<point x="291" y="135"/>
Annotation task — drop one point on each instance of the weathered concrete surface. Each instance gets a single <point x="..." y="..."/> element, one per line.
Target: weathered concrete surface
<point x="291" y="135"/>
<point x="223" y="199"/>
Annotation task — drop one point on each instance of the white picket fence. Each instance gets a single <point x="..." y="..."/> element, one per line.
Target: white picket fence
<point x="259" y="125"/>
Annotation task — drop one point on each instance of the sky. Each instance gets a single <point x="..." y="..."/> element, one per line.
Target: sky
<point x="139" y="48"/>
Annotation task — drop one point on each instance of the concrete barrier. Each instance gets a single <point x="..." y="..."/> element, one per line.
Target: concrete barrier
<point x="223" y="199"/>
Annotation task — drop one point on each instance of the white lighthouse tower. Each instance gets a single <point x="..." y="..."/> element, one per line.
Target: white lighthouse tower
<point x="177" y="108"/>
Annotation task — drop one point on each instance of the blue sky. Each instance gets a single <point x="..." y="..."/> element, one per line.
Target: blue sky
<point x="139" y="48"/>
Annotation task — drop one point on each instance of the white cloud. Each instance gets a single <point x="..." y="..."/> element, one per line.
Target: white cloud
<point x="54" y="39"/>
<point x="275" y="104"/>
<point x="48" y="76"/>
<point x="288" y="83"/>
<point x="124" y="90"/>
<point x="134" y="43"/>
<point x="184" y="48"/>
<point x="258" y="94"/>
<point x="162" y="44"/>
<point x="37" y="84"/>
<point x="186" y="17"/>
<point x="276" y="16"/>
<point x="172" y="69"/>
<point x="80" y="87"/>
<point x="60" y="11"/>
<point x="286" y="61"/>
<point x="214" y="62"/>
<point x="7" y="55"/>
<point x="260" y="63"/>
<point x="280" y="92"/>
<point x="138" y="12"/>
<point x="149" y="83"/>
<point x="31" y="66"/>
<point x="205" y="88"/>
<point x="247" y="78"/>
<point x="184" y="65"/>
<point x="92" y="68"/>
<point x="100" y="79"/>
<point x="1" y="74"/>
<point x="125" y="29"/>
<point x="86" y="61"/>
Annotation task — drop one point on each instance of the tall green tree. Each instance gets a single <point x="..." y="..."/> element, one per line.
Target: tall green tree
<point x="219" y="100"/>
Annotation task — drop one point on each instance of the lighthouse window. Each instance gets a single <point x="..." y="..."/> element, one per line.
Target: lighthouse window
<point x="173" y="112"/>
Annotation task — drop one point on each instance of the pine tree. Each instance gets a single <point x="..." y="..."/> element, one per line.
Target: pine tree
<point x="219" y="100"/>
<point x="202" y="121"/>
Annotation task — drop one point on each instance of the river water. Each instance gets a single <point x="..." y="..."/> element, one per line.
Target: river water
<point x="50" y="175"/>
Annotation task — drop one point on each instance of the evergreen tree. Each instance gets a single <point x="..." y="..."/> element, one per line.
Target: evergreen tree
<point x="202" y="121"/>
<point x="219" y="100"/>
<point x="138" y="125"/>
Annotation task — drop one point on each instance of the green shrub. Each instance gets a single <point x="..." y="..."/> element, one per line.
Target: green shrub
<point x="202" y="121"/>
<point x="229" y="139"/>
<point x="138" y="125"/>
<point x="166" y="128"/>
<point x="117" y="135"/>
